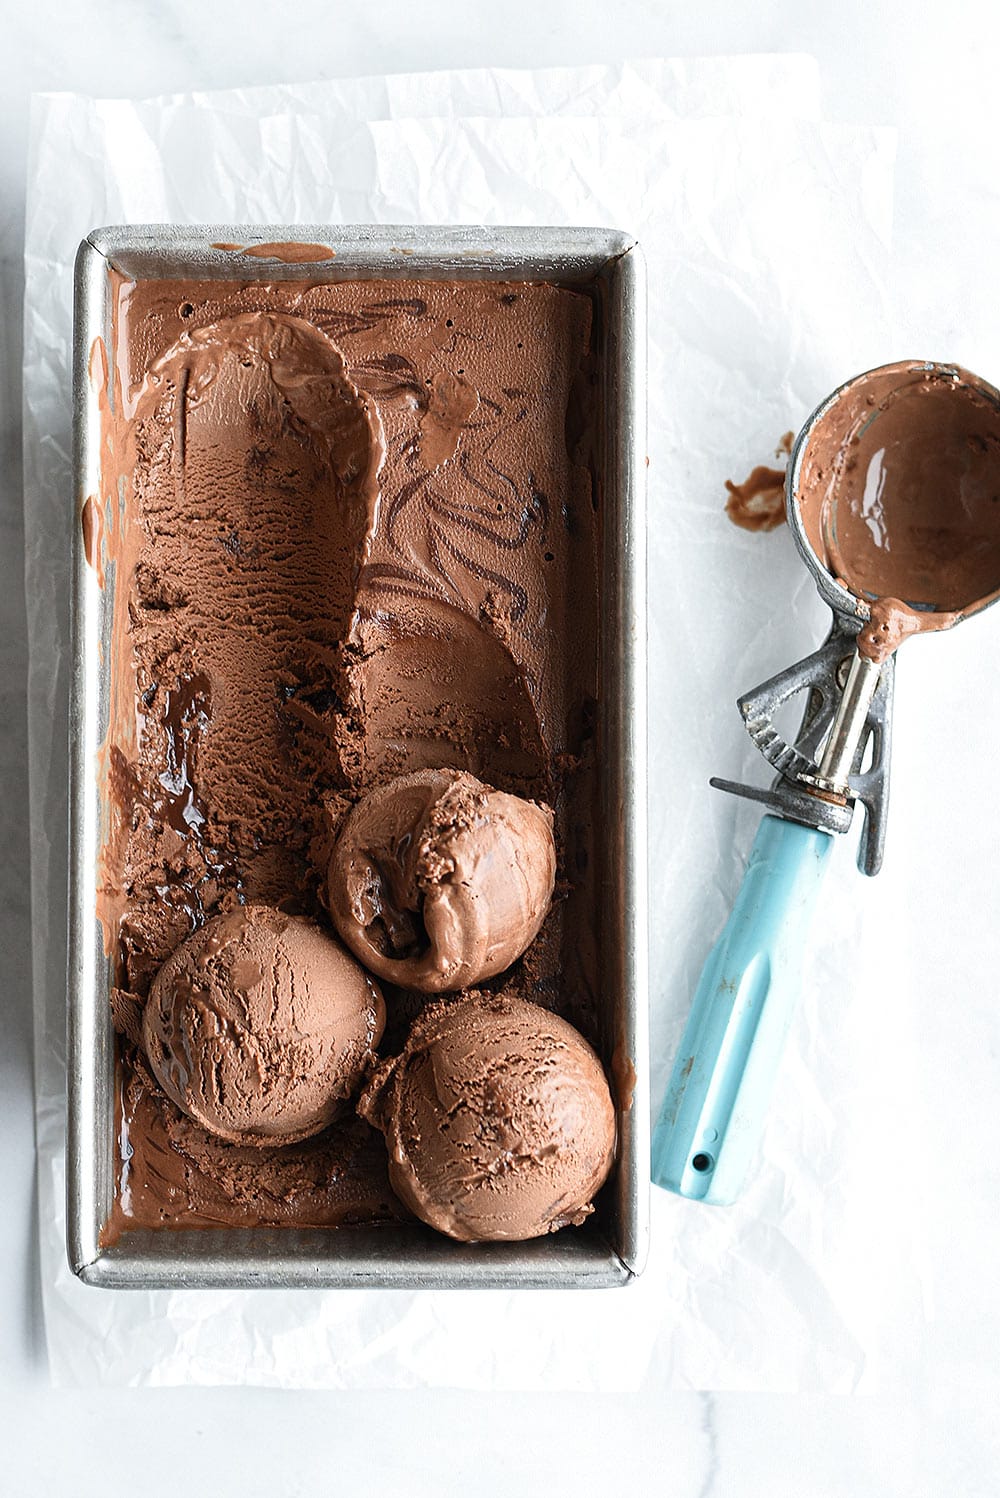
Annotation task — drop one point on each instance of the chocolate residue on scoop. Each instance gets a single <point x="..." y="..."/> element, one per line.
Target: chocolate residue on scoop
<point x="888" y="626"/>
<point x="899" y="494"/>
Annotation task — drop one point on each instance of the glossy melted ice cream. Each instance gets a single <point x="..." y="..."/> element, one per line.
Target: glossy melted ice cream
<point x="351" y="533"/>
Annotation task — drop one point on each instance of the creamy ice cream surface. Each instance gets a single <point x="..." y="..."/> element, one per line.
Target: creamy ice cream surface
<point x="497" y="1117"/>
<point x="260" y="1026"/>
<point x="438" y="881"/>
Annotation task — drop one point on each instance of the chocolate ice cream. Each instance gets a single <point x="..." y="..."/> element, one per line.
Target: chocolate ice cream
<point x="497" y="1117"/>
<point x="180" y="1175"/>
<point x="260" y="1026"/>
<point x="352" y="534"/>
<point x="438" y="881"/>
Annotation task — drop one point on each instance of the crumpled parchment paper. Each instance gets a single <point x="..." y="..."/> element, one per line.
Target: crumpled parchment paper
<point x="766" y="235"/>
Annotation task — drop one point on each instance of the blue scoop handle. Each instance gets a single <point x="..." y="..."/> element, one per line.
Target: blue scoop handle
<point x="713" y="1117"/>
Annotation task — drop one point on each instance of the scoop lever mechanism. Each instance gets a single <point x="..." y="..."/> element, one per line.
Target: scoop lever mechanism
<point x="849" y="704"/>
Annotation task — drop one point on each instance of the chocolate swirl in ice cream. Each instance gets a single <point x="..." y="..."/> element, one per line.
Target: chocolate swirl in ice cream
<point x="463" y="580"/>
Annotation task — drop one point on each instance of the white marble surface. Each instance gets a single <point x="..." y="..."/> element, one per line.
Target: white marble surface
<point x="931" y="72"/>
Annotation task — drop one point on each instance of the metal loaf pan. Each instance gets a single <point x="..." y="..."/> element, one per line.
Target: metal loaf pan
<point x="610" y="1249"/>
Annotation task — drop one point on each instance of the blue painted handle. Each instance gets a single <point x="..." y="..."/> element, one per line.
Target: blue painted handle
<point x="713" y="1116"/>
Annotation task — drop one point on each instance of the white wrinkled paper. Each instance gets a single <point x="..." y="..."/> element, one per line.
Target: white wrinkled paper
<point x="766" y="235"/>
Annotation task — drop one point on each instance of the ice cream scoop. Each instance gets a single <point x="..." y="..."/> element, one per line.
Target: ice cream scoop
<point x="260" y="1026"/>
<point x="497" y="1117"/>
<point x="438" y="881"/>
<point x="893" y="499"/>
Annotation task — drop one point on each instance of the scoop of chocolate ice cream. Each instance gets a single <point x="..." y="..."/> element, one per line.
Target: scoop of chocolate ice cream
<point x="438" y="881"/>
<point x="497" y="1117"/>
<point x="260" y="1026"/>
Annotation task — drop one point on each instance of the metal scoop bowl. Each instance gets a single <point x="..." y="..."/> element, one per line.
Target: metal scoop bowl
<point x="893" y="498"/>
